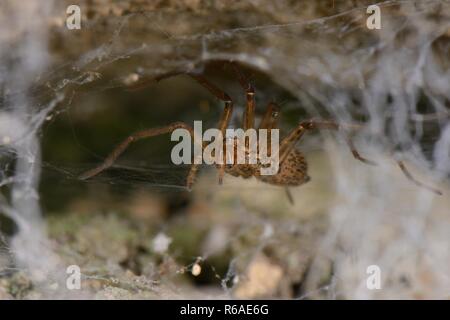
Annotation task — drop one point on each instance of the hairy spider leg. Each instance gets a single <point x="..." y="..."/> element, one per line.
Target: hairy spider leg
<point x="289" y="142"/>
<point x="223" y="123"/>
<point x="415" y="181"/>
<point x="270" y="117"/>
<point x="117" y="151"/>
<point x="295" y="135"/>
<point x="249" y="114"/>
<point x="270" y="121"/>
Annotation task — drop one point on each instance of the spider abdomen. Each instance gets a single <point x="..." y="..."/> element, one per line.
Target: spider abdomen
<point x="292" y="172"/>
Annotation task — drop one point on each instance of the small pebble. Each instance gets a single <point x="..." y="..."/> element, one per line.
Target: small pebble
<point x="196" y="269"/>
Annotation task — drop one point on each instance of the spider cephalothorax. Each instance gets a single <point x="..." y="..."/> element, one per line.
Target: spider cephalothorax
<point x="292" y="165"/>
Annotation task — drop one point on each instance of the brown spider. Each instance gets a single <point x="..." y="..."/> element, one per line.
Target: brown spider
<point x="292" y="165"/>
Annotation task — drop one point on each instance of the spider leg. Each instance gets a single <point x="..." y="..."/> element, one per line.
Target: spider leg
<point x="288" y="143"/>
<point x="111" y="158"/>
<point x="270" y="118"/>
<point x="249" y="114"/>
<point x="269" y="121"/>
<point x="213" y="89"/>
<point x="289" y="195"/>
<point x="224" y="119"/>
<point x="416" y="182"/>
<point x="191" y="175"/>
<point x="223" y="122"/>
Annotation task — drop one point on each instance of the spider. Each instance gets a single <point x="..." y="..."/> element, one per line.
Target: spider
<point x="293" y="167"/>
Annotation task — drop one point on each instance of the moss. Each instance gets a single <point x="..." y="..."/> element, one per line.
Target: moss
<point x="19" y="285"/>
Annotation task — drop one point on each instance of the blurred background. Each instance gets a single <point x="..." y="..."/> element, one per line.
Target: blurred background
<point x="68" y="97"/>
